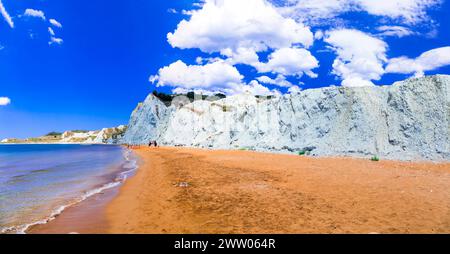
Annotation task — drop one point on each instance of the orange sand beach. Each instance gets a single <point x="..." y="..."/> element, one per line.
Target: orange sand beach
<point x="182" y="190"/>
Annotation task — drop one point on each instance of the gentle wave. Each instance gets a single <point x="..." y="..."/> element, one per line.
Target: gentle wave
<point x="130" y="166"/>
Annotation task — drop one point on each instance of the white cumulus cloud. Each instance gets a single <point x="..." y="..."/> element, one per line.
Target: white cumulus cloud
<point x="290" y="62"/>
<point x="51" y="32"/>
<point x="427" y="61"/>
<point x="34" y="13"/>
<point x="318" y="11"/>
<point x="236" y="32"/>
<point x="256" y="88"/>
<point x="4" y="101"/>
<point x="6" y="15"/>
<point x="54" y="40"/>
<point x="55" y="23"/>
<point x="397" y="31"/>
<point x="279" y="80"/>
<point x="360" y="57"/>
<point x="216" y="76"/>
<point x="410" y="11"/>
<point x="313" y="11"/>
<point x="239" y="29"/>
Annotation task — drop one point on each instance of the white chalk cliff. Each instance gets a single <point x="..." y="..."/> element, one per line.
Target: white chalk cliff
<point x="104" y="136"/>
<point x="408" y="120"/>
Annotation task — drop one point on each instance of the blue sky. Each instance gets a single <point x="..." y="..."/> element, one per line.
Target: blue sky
<point x="97" y="66"/>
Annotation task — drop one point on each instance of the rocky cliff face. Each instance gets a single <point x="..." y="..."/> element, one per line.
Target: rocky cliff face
<point x="104" y="136"/>
<point x="408" y="120"/>
<point x="148" y="121"/>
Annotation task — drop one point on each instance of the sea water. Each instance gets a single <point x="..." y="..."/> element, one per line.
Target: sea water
<point x="37" y="182"/>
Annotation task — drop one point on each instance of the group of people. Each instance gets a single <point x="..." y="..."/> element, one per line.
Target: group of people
<point x="150" y="144"/>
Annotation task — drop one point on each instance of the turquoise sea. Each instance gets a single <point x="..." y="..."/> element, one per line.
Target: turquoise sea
<point x="37" y="182"/>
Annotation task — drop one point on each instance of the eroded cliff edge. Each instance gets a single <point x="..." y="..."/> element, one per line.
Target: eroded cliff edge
<point x="408" y="120"/>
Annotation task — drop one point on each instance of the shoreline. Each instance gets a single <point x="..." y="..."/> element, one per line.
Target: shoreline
<point x="188" y="190"/>
<point x="86" y="215"/>
<point x="281" y="152"/>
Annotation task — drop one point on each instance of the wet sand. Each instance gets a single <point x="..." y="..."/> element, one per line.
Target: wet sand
<point x="181" y="190"/>
<point x="86" y="217"/>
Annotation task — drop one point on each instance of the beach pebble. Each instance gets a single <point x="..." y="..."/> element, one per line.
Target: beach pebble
<point x="183" y="184"/>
